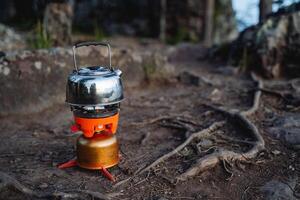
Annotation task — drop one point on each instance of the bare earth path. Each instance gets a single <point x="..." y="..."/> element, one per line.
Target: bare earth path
<point x="175" y="140"/>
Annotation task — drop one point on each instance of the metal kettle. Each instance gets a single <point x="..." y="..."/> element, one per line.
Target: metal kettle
<point x="95" y="85"/>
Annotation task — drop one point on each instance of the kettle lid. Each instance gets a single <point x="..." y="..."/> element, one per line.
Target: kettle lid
<point x="95" y="70"/>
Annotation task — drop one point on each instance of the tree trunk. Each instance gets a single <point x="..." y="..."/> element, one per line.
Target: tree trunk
<point x="209" y="22"/>
<point x="163" y="9"/>
<point x="265" y="8"/>
<point x="57" y="23"/>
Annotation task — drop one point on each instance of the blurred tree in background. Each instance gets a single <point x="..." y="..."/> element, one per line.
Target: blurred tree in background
<point x="173" y="21"/>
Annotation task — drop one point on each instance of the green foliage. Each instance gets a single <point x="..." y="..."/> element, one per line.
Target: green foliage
<point x="99" y="33"/>
<point x="40" y="38"/>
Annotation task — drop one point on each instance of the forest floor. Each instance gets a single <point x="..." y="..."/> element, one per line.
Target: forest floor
<point x="156" y="119"/>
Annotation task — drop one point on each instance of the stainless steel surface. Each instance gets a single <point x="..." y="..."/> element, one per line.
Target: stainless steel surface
<point x="94" y="86"/>
<point x="89" y="44"/>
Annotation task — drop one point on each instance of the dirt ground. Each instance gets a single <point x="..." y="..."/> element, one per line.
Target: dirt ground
<point x="153" y="122"/>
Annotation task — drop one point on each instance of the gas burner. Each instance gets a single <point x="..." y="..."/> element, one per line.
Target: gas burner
<point x="96" y="111"/>
<point x="94" y="95"/>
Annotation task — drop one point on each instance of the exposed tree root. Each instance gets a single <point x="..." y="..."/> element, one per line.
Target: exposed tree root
<point x="8" y="181"/>
<point x="274" y="93"/>
<point x="211" y="160"/>
<point x="257" y="96"/>
<point x="228" y="138"/>
<point x="198" y="135"/>
<point x="201" y="134"/>
<point x="226" y="156"/>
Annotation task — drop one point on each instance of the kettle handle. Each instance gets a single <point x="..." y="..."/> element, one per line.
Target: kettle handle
<point x="81" y="44"/>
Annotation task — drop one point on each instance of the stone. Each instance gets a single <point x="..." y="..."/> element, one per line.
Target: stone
<point x="188" y="78"/>
<point x="205" y="143"/>
<point x="10" y="39"/>
<point x="287" y="129"/>
<point x="292" y="136"/>
<point x="33" y="80"/>
<point x="38" y="65"/>
<point x="276" y="152"/>
<point x="43" y="185"/>
<point x="276" y="190"/>
<point x="271" y="48"/>
<point x="215" y="95"/>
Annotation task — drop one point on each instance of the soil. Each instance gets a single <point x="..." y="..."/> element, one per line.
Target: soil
<point x="33" y="145"/>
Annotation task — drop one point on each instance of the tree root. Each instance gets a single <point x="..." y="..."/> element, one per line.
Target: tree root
<point x="228" y="138"/>
<point x="257" y="96"/>
<point x="198" y="135"/>
<point x="274" y="93"/>
<point x="211" y="160"/>
<point x="8" y="181"/>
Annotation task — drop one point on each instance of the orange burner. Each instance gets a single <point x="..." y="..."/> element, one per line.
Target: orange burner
<point x="89" y="126"/>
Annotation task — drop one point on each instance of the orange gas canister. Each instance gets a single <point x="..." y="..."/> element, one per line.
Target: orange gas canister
<point x="100" y="151"/>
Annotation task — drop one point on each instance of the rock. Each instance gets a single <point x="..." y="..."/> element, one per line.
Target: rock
<point x="10" y="39"/>
<point x="287" y="128"/>
<point x="155" y="67"/>
<point x="34" y="80"/>
<point x="58" y="23"/>
<point x="271" y="48"/>
<point x="188" y="78"/>
<point x="276" y="190"/>
<point x="43" y="185"/>
<point x="215" y="95"/>
<point x="38" y="65"/>
<point x="205" y="143"/>
<point x="292" y="136"/>
<point x="292" y="168"/>
<point x="276" y="152"/>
